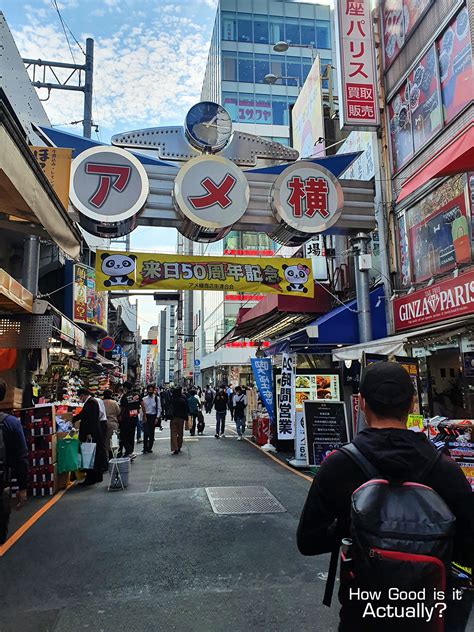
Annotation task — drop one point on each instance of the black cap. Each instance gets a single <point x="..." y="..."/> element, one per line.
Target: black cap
<point x="386" y="383"/>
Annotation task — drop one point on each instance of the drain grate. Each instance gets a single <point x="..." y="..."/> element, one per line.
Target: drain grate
<point x="243" y="500"/>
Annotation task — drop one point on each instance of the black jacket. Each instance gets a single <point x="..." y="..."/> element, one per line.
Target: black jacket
<point x="220" y="402"/>
<point x="90" y="424"/>
<point x="179" y="408"/>
<point x="16" y="450"/>
<point x="397" y="453"/>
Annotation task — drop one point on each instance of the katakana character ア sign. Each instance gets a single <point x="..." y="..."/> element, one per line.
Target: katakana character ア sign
<point x="111" y="176"/>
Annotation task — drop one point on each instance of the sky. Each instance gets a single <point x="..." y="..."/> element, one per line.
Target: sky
<point x="150" y="57"/>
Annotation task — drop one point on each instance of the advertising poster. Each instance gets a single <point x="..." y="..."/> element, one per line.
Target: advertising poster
<point x="307" y="115"/>
<point x="326" y="429"/>
<point x="262" y="372"/>
<point x="286" y="398"/>
<point x="410" y="365"/>
<point x="455" y="65"/>
<point x="90" y="307"/>
<point x="399" y="18"/>
<point x="265" y="275"/>
<point x="441" y="239"/>
<point x="425" y="101"/>
<point x="364" y="167"/>
<point x="312" y="384"/>
<point x="400" y="127"/>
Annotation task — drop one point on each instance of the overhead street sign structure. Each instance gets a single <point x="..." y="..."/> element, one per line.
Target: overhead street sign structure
<point x="245" y="183"/>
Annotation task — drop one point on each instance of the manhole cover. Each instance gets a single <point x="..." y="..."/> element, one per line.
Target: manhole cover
<point x="243" y="500"/>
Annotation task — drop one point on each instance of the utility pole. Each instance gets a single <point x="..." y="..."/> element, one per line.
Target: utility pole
<point x="362" y="265"/>
<point x="81" y="73"/>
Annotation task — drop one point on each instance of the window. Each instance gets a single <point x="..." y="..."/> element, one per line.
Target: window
<point x="229" y="66"/>
<point x="262" y="67"/>
<point x="277" y="29"/>
<point x="280" y="110"/>
<point x="323" y="36"/>
<point x="306" y="69"/>
<point x="292" y="31"/>
<point x="293" y="69"/>
<point x="228" y="26"/>
<point x="278" y="65"/>
<point x="245" y="27"/>
<point x="308" y="32"/>
<point x="260" y="29"/>
<point x="229" y="101"/>
<point x="281" y="140"/>
<point x="246" y="73"/>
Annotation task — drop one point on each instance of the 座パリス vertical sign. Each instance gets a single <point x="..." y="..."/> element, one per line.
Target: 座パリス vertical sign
<point x="358" y="86"/>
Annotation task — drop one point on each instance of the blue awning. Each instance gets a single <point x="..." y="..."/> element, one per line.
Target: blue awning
<point x="337" y="327"/>
<point x="335" y="164"/>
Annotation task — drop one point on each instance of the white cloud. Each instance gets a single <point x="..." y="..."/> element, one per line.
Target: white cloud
<point x="145" y="74"/>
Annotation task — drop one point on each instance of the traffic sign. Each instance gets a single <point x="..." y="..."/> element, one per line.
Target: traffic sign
<point x="197" y="362"/>
<point x="107" y="344"/>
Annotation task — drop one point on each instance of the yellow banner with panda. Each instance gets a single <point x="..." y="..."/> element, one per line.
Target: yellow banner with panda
<point x="253" y="275"/>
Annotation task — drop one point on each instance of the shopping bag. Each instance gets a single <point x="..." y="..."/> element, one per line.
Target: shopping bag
<point x="68" y="455"/>
<point x="189" y="423"/>
<point x="114" y="442"/>
<point x="88" y="455"/>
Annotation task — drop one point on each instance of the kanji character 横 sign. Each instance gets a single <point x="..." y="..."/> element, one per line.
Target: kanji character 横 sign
<point x="307" y="198"/>
<point x="357" y="71"/>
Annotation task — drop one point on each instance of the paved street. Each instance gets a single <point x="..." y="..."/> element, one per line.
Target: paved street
<point x="156" y="557"/>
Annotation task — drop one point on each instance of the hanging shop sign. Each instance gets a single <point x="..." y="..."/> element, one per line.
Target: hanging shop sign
<point x="326" y="429"/>
<point x="211" y="192"/>
<point x="286" y="398"/>
<point x="126" y="270"/>
<point x="90" y="307"/>
<point x="358" y="93"/>
<point x="262" y="372"/>
<point x="441" y="301"/>
<point x="306" y="199"/>
<point x="56" y="164"/>
<point x="109" y="188"/>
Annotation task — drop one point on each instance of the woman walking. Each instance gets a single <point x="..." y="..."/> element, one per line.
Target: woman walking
<point x="178" y="413"/>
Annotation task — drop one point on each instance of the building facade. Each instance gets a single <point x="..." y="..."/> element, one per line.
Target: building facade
<point x="428" y="79"/>
<point x="242" y="54"/>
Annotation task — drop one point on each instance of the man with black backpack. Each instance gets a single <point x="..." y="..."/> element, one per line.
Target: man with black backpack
<point x="402" y="511"/>
<point x="240" y="404"/>
<point x="13" y="463"/>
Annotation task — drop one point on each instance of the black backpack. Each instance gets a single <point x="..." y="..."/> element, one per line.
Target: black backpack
<point x="239" y="406"/>
<point x="401" y="531"/>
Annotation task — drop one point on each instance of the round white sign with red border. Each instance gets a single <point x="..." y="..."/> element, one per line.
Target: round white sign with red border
<point x="211" y="191"/>
<point x="307" y="198"/>
<point x="108" y="184"/>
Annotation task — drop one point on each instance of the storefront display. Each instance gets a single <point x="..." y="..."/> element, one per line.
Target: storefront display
<point x="425" y="101"/>
<point x="399" y="17"/>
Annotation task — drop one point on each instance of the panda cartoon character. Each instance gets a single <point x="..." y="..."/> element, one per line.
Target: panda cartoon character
<point x="296" y="275"/>
<point x="118" y="267"/>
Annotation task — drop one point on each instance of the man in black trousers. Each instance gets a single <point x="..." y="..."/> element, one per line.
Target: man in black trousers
<point x="90" y="429"/>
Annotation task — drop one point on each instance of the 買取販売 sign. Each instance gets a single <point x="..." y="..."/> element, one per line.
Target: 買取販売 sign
<point x="262" y="275"/>
<point x="358" y="91"/>
<point x="441" y="301"/>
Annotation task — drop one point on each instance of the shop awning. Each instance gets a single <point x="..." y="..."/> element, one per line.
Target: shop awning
<point x="277" y="313"/>
<point x="337" y="327"/>
<point x="456" y="157"/>
<point x="396" y="345"/>
<point x="27" y="198"/>
<point x="13" y="296"/>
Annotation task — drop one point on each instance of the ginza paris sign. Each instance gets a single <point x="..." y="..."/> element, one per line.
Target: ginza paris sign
<point x="445" y="300"/>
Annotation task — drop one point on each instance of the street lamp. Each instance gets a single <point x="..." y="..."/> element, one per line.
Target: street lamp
<point x="282" y="47"/>
<point x="271" y="79"/>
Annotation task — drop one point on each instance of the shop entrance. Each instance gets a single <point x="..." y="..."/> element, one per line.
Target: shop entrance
<point x="446" y="384"/>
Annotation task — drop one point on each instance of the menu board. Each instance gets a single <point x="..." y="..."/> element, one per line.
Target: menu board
<point x="400" y="123"/>
<point x="455" y="65"/>
<point x="425" y="101"/>
<point x="326" y="429"/>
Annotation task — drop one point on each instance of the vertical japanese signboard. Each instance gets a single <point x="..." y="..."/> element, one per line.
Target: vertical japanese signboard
<point x="262" y="371"/>
<point x="286" y="399"/>
<point x="358" y="91"/>
<point x="90" y="307"/>
<point x="56" y="164"/>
